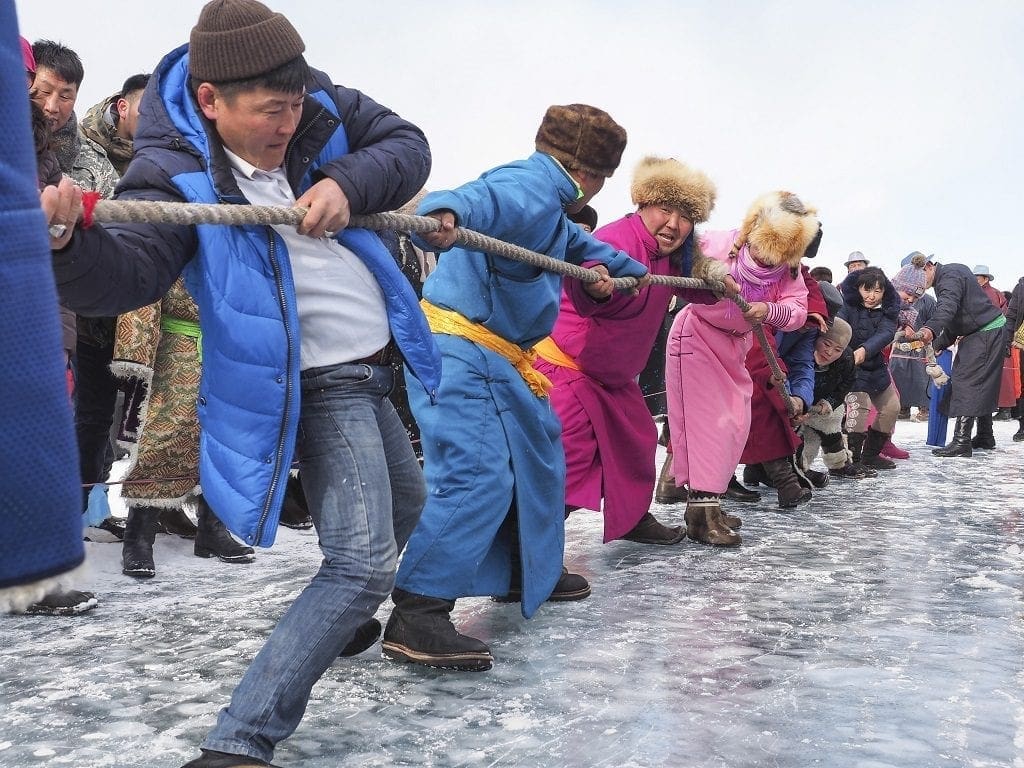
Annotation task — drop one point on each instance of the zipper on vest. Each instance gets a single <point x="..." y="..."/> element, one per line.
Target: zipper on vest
<point x="279" y="454"/>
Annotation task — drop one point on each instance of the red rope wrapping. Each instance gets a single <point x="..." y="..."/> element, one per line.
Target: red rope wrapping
<point x="89" y="200"/>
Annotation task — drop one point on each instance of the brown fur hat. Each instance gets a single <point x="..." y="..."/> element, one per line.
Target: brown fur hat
<point x="582" y="137"/>
<point x="781" y="227"/>
<point x="667" y="181"/>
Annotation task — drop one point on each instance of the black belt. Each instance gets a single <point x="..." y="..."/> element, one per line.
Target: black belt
<point x="380" y="357"/>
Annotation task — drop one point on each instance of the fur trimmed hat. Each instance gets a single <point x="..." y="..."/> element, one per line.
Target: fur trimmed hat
<point x="911" y="278"/>
<point x="781" y="228"/>
<point x="240" y="39"/>
<point x="667" y="181"/>
<point x="583" y="137"/>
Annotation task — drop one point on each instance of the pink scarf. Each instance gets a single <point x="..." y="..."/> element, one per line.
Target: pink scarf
<point x="755" y="280"/>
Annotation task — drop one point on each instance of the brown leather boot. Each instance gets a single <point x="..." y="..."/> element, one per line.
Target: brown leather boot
<point x="704" y="521"/>
<point x="667" y="492"/>
<point x="786" y="481"/>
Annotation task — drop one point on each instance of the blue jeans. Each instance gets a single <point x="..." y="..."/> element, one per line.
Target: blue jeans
<point x="365" y="491"/>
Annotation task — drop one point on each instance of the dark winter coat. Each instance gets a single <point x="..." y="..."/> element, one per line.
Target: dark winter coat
<point x="961" y="306"/>
<point x="1015" y="311"/>
<point x="961" y="310"/>
<point x="241" y="277"/>
<point x="873" y="329"/>
<point x="834" y="382"/>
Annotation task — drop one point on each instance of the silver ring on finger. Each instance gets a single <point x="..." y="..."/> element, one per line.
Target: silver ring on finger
<point x="57" y="231"/>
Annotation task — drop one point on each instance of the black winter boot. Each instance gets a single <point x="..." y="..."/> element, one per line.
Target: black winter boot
<point x="984" y="440"/>
<point x="667" y="492"/>
<point x="855" y="442"/>
<point x="213" y="759"/>
<point x="295" y="510"/>
<point x="961" y="443"/>
<point x="739" y="492"/>
<point x="366" y="634"/>
<point x="786" y="482"/>
<point x="755" y="475"/>
<point x="1018" y="436"/>
<point x="137" y="549"/>
<point x="420" y="631"/>
<point x="174" y="521"/>
<point x="213" y="539"/>
<point x="873" y="444"/>
<point x="650" y="531"/>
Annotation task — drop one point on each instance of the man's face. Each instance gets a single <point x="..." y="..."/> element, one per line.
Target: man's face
<point x="128" y="114"/>
<point x="982" y="280"/>
<point x="256" y="125"/>
<point x="668" y="225"/>
<point x="56" y="97"/>
<point x="854" y="265"/>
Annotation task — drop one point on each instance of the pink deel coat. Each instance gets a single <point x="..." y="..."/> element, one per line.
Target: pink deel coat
<point x="708" y="387"/>
<point x="609" y="437"/>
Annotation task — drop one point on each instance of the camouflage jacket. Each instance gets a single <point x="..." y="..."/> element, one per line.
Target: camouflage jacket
<point x="98" y="126"/>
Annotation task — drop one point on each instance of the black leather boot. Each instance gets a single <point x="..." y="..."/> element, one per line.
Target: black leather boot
<point x="961" y="443"/>
<point x="137" y="549"/>
<point x="873" y="444"/>
<point x="739" y="492"/>
<point x="1018" y="436"/>
<point x="213" y="539"/>
<point x="295" y="510"/>
<point x="984" y="440"/>
<point x="650" y="531"/>
<point x="755" y="475"/>
<point x="420" y="631"/>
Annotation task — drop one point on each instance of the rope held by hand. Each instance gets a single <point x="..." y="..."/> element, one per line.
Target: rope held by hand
<point x="152" y="212"/>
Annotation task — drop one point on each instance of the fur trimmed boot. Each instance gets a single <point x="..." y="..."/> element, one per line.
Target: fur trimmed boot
<point x="667" y="492"/>
<point x="704" y="522"/>
<point x="214" y="540"/>
<point x="786" y="482"/>
<point x="137" y="549"/>
<point x="985" y="440"/>
<point x="871" y="456"/>
<point x="420" y="631"/>
<point x="960" y="445"/>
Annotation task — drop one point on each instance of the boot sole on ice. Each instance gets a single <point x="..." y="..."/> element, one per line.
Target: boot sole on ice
<point x="225" y="558"/>
<point x="463" y="662"/>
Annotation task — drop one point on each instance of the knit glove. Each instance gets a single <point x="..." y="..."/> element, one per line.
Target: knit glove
<point x="938" y="376"/>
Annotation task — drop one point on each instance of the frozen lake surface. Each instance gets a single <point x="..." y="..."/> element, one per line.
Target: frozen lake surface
<point x="880" y="625"/>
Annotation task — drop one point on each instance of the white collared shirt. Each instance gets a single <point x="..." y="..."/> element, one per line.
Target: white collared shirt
<point x="342" y="314"/>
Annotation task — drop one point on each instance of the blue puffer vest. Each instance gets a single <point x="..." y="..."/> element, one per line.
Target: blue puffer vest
<point x="242" y="281"/>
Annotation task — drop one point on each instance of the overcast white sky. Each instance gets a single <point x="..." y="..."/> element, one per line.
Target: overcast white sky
<point x="900" y="121"/>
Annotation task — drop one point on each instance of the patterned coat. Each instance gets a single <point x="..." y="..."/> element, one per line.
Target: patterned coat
<point x="151" y="350"/>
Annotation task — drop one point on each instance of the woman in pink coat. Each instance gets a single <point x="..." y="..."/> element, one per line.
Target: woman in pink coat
<point x="708" y="385"/>
<point x="599" y="347"/>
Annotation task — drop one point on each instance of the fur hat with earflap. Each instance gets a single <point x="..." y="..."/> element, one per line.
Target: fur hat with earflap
<point x="666" y="181"/>
<point x="781" y="228"/>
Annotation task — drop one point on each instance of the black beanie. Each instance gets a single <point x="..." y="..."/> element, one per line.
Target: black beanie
<point x="240" y="39"/>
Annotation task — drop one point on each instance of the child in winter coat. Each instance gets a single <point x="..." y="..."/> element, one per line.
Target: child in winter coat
<point x="834" y="374"/>
<point x="871" y="307"/>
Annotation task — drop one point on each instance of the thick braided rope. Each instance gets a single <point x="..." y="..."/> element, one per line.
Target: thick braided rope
<point x="151" y="212"/>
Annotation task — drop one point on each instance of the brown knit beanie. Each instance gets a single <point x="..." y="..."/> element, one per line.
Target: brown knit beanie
<point x="583" y="137"/>
<point x="240" y="39"/>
